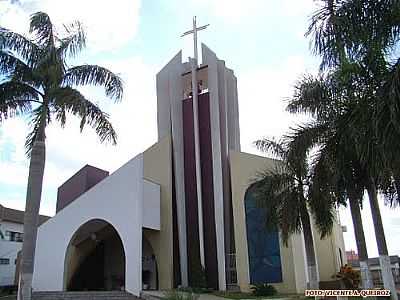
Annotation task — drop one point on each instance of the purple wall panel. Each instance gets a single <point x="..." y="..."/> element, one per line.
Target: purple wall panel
<point x="80" y="182"/>
<point x="210" y="243"/>
<point x="210" y="250"/>
<point x="192" y="224"/>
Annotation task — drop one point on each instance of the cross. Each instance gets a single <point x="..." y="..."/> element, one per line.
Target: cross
<point x="194" y="31"/>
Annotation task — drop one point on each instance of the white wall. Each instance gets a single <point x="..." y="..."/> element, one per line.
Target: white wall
<point x="151" y="205"/>
<point x="118" y="200"/>
<point x="8" y="250"/>
<point x="210" y="59"/>
<point x="170" y="122"/>
<point x="11" y="226"/>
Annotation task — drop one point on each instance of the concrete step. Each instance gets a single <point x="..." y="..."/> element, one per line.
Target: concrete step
<point x="89" y="295"/>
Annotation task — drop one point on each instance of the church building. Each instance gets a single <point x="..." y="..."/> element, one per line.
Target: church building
<point x="182" y="213"/>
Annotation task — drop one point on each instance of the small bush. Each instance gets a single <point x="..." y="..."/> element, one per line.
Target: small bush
<point x="263" y="289"/>
<point x="350" y="277"/>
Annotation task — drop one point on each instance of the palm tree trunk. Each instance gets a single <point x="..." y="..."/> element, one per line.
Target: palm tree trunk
<point x="33" y="197"/>
<point x="384" y="259"/>
<point x="310" y="251"/>
<point x="366" y="278"/>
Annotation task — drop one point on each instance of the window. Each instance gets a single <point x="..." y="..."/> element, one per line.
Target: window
<point x="4" y="261"/>
<point x="14" y="236"/>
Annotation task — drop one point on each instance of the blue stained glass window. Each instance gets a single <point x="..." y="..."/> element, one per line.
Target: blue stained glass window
<point x="263" y="245"/>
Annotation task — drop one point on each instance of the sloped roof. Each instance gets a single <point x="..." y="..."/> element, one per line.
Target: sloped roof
<point x="17" y="216"/>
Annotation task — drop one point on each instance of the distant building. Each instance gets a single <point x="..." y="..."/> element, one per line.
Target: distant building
<point x="351" y="255"/>
<point x="11" y="237"/>
<point x="375" y="269"/>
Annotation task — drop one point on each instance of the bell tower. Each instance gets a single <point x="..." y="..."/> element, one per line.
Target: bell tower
<point x="197" y="105"/>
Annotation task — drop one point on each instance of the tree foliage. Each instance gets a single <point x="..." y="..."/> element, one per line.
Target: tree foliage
<point x="37" y="81"/>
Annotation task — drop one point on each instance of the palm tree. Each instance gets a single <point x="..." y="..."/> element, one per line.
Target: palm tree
<point x="338" y="171"/>
<point x="366" y="34"/>
<point x="334" y="177"/>
<point x="37" y="82"/>
<point x="281" y="192"/>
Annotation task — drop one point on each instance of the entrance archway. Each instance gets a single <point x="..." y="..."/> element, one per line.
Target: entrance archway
<point x="95" y="259"/>
<point x="149" y="266"/>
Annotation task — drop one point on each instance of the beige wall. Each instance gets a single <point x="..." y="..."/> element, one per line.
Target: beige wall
<point x="327" y="252"/>
<point x="158" y="168"/>
<point x="244" y="168"/>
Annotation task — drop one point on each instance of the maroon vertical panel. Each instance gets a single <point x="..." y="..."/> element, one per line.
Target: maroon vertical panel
<point x="210" y="242"/>
<point x="192" y="224"/>
<point x="79" y="183"/>
<point x="175" y="233"/>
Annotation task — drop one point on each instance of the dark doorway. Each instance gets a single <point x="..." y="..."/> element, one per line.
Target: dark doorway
<point x="149" y="266"/>
<point x="95" y="259"/>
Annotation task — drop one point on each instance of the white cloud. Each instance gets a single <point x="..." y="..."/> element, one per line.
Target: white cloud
<point x="234" y="11"/>
<point x="109" y="24"/>
<point x="262" y="95"/>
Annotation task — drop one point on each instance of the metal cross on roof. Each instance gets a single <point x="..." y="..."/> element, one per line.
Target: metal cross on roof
<point x="194" y="31"/>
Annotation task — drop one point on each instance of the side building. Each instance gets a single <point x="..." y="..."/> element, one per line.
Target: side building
<point x="11" y="238"/>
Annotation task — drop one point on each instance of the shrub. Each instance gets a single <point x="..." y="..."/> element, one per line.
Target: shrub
<point x="263" y="289"/>
<point x="349" y="276"/>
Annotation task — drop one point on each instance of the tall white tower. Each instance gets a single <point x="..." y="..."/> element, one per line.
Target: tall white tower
<point x="205" y="239"/>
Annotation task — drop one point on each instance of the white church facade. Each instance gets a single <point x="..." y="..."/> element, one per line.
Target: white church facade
<point x="181" y="213"/>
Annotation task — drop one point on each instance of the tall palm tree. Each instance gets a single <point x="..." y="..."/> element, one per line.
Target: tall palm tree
<point x="281" y="192"/>
<point x="36" y="81"/>
<point x="335" y="176"/>
<point x="366" y="33"/>
<point x="338" y="169"/>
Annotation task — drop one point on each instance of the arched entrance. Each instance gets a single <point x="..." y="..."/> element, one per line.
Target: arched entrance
<point x="149" y="266"/>
<point x="95" y="259"/>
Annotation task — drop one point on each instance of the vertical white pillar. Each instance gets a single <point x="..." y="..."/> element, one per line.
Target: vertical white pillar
<point x="197" y="156"/>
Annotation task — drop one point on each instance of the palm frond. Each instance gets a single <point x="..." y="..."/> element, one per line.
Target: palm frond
<point x="276" y="148"/>
<point x="19" y="44"/>
<point x="68" y="100"/>
<point x="95" y="75"/>
<point x="8" y="62"/>
<point x="16" y="98"/>
<point x="326" y="31"/>
<point x="14" y="69"/>
<point x="290" y="213"/>
<point x="277" y="194"/>
<point x="324" y="193"/>
<point x="71" y="45"/>
<point x="42" y="28"/>
<point x="302" y="139"/>
<point x="316" y="96"/>
<point x="40" y="117"/>
<point x="387" y="112"/>
<point x="396" y="182"/>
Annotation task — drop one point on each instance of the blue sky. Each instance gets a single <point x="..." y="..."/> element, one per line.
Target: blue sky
<point x="261" y="40"/>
